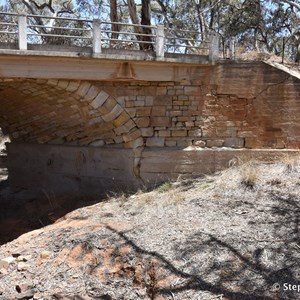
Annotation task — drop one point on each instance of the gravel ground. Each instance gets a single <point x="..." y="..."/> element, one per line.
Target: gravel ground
<point x="233" y="235"/>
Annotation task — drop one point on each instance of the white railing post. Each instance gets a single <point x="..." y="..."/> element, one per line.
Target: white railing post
<point x="232" y="48"/>
<point x="160" y="41"/>
<point x="96" y="36"/>
<point x="22" y="27"/>
<point x="214" y="47"/>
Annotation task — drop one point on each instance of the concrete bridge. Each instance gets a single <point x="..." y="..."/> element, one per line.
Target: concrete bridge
<point x="88" y="121"/>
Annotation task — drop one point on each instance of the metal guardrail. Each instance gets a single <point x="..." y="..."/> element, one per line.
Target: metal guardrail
<point x="24" y="30"/>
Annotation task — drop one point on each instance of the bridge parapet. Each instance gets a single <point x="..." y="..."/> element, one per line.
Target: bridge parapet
<point x="24" y="32"/>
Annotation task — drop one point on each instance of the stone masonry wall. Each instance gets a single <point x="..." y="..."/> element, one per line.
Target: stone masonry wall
<point x="93" y="136"/>
<point x="237" y="105"/>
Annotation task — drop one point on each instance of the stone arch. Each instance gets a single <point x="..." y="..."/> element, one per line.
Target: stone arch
<point x="65" y="112"/>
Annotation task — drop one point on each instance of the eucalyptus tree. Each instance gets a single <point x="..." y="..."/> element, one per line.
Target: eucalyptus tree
<point x="260" y="25"/>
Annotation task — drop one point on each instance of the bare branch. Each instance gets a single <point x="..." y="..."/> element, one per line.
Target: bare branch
<point x="292" y="3"/>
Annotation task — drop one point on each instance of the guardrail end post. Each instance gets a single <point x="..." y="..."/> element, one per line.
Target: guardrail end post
<point x="97" y="37"/>
<point x="160" y="41"/>
<point x="22" y="35"/>
<point x="214" y="48"/>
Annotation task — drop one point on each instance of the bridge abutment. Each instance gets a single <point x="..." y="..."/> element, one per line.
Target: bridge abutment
<point x="192" y="123"/>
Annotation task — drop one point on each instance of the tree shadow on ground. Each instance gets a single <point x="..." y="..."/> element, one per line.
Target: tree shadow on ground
<point x="237" y="266"/>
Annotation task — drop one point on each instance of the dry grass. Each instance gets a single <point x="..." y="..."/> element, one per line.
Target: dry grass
<point x="249" y="175"/>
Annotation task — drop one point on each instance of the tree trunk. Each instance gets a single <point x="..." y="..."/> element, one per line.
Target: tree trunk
<point x="114" y="19"/>
<point x="146" y="20"/>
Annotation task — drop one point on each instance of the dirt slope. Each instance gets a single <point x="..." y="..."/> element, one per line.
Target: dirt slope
<point x="234" y="235"/>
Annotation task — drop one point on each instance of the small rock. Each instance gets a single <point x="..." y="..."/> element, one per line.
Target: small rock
<point x="23" y="287"/>
<point x="37" y="296"/>
<point x="3" y="271"/>
<point x="26" y="295"/>
<point x="5" y="262"/>
<point x="23" y="258"/>
<point x="45" y="254"/>
<point x="22" y="266"/>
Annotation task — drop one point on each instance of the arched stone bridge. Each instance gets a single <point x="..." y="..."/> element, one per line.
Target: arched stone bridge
<point x="87" y="124"/>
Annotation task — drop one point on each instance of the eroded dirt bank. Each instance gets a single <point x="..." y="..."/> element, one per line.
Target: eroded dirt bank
<point x="234" y="235"/>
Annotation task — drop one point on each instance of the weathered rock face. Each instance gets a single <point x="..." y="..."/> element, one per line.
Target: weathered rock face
<point x="235" y="105"/>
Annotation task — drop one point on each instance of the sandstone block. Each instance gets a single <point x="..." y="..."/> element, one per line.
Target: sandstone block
<point x="98" y="143"/>
<point x="155" y="142"/>
<point x="179" y="92"/>
<point x="147" y="132"/>
<point x="149" y="101"/>
<point x="118" y="139"/>
<point x="171" y="92"/>
<point x="160" y="121"/>
<point x="121" y="100"/>
<point x="134" y="144"/>
<point x="178" y="103"/>
<point x="131" y="111"/>
<point x="125" y="128"/>
<point x="129" y="103"/>
<point x="182" y="97"/>
<point x="214" y="143"/>
<point x="170" y="143"/>
<point x="52" y="82"/>
<point x="63" y="84"/>
<point x="179" y="132"/>
<point x="83" y="89"/>
<point x="164" y="133"/>
<point x="234" y="142"/>
<point x="175" y="113"/>
<point x="121" y="119"/>
<point x="132" y="135"/>
<point x="115" y="112"/>
<point x="110" y="103"/>
<point x="139" y="103"/>
<point x="158" y="111"/>
<point x="99" y="100"/>
<point x="183" y="143"/>
<point x="91" y="93"/>
<point x="161" y="90"/>
<point x="142" y="122"/>
<point x="162" y="100"/>
<point x="73" y="86"/>
<point x="143" y="111"/>
<point x="246" y="133"/>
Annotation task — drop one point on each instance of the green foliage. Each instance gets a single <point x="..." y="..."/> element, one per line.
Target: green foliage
<point x="165" y="187"/>
<point x="258" y="25"/>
